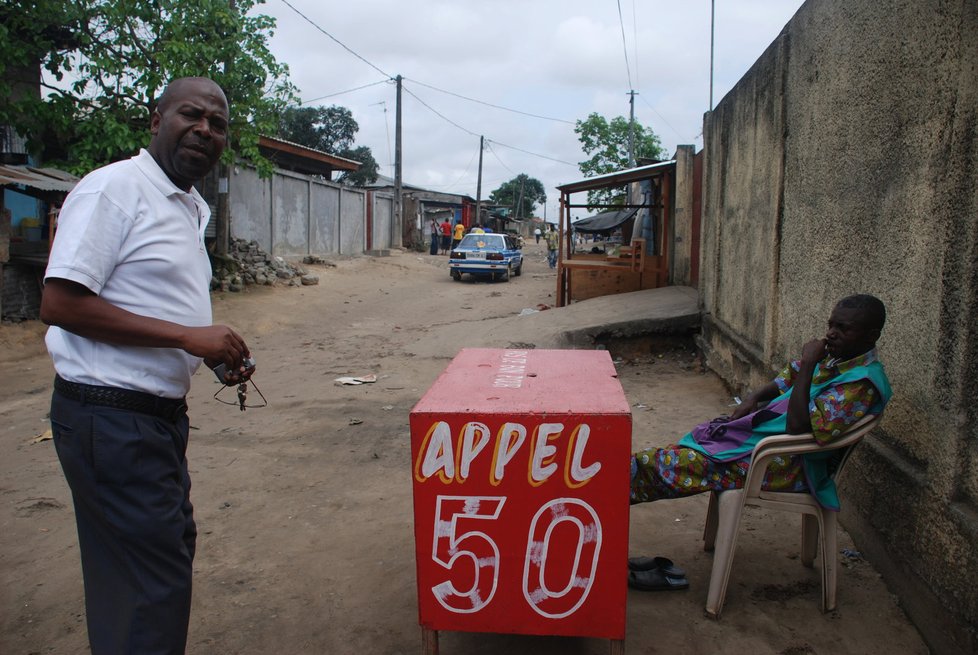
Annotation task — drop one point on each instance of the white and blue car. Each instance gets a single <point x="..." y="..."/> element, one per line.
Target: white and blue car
<point x="494" y="255"/>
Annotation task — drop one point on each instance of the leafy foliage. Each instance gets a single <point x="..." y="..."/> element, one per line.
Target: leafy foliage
<point x="508" y="194"/>
<point x="329" y="129"/>
<point x="368" y="170"/>
<point x="607" y="143"/>
<point x="332" y="130"/>
<point x="108" y="61"/>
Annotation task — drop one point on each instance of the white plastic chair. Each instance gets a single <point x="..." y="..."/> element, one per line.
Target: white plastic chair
<point x="726" y="508"/>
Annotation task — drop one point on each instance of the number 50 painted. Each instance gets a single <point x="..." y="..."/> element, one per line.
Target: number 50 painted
<point x="453" y="541"/>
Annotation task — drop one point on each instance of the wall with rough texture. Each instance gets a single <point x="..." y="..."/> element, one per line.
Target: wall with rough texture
<point x="680" y="272"/>
<point x="845" y="161"/>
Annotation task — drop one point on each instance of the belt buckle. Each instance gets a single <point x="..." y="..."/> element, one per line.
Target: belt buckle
<point x="175" y="411"/>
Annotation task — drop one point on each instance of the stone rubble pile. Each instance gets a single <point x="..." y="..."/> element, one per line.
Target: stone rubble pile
<point x="248" y="264"/>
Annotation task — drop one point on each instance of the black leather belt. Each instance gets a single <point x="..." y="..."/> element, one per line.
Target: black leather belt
<point x="170" y="409"/>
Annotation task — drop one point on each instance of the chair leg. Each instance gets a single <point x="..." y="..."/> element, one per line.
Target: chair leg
<point x="830" y="560"/>
<point x="809" y="539"/>
<point x="710" y="528"/>
<point x="730" y="507"/>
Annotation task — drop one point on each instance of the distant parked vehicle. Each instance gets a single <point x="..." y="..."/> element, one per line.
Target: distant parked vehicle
<point x="497" y="256"/>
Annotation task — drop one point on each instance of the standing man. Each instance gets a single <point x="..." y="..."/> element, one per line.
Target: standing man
<point x="553" y="241"/>
<point x="457" y="233"/>
<point x="127" y="298"/>
<point x="446" y="235"/>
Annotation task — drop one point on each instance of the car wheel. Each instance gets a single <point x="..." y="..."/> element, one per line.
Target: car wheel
<point x="518" y="271"/>
<point x="508" y="274"/>
<point x="457" y="276"/>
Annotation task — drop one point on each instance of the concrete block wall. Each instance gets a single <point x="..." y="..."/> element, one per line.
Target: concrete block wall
<point x="845" y="161"/>
<point x="291" y="215"/>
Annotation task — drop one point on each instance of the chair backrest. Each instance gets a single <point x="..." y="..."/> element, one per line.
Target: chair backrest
<point x="799" y="444"/>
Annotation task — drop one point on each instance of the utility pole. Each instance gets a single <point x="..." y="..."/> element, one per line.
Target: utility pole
<point x="398" y="200"/>
<point x="519" y="204"/>
<point x="222" y="228"/>
<point x="631" y="130"/>
<point x="712" y="22"/>
<point x="478" y="187"/>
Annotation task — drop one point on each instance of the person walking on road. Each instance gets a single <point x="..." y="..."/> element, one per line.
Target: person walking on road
<point x="127" y="296"/>
<point x="553" y="242"/>
<point x="537" y="233"/>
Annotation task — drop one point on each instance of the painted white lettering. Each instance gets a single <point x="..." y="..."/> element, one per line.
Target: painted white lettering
<point x="508" y="441"/>
<point x="475" y="436"/>
<point x="540" y="469"/>
<point x="578" y="473"/>
<point x="439" y="454"/>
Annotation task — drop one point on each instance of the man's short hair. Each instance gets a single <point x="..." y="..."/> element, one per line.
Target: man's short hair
<point x="873" y="309"/>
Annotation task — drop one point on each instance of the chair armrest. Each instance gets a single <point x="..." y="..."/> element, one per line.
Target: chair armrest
<point x="798" y="444"/>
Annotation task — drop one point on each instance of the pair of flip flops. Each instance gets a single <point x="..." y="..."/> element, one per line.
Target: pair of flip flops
<point x="655" y="574"/>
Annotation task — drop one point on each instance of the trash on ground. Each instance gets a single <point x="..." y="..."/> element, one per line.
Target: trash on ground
<point x="528" y="310"/>
<point x="363" y="379"/>
<point x="851" y="554"/>
<point x="356" y="421"/>
<point x="44" y="436"/>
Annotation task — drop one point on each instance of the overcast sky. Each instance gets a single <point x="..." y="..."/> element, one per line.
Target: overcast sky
<point x="560" y="59"/>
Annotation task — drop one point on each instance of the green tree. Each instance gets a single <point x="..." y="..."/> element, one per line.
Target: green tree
<point x="107" y="62"/>
<point x="332" y="130"/>
<point x="607" y="144"/>
<point x="368" y="171"/>
<point x="522" y="187"/>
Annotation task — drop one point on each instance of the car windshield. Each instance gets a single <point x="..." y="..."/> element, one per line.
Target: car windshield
<point x="482" y="241"/>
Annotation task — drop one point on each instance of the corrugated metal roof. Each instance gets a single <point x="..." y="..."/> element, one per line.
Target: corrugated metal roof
<point x="618" y="177"/>
<point x="44" y="179"/>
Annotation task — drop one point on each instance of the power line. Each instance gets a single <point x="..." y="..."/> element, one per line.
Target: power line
<point x="489" y="104"/>
<point x="339" y="93"/>
<point x="559" y="161"/>
<point x="467" y="166"/>
<point x="437" y="113"/>
<point x="387" y="125"/>
<point x="341" y="44"/>
<point x="470" y="132"/>
<point x="628" y="68"/>
<point x="499" y="160"/>
<point x="662" y="117"/>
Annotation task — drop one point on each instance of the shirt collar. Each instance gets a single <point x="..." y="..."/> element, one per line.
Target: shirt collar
<point x="866" y="358"/>
<point x="159" y="178"/>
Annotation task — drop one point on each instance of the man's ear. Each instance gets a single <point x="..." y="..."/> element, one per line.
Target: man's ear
<point x="154" y="122"/>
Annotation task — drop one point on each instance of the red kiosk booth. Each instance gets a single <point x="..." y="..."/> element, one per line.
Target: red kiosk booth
<point x="520" y="464"/>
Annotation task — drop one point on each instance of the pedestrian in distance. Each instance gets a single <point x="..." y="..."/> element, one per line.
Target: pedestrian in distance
<point x="435" y="230"/>
<point x="553" y="243"/>
<point x="457" y="233"/>
<point x="446" y="236"/>
<point x="127" y="296"/>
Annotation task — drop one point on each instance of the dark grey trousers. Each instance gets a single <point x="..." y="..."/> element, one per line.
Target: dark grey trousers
<point x="136" y="533"/>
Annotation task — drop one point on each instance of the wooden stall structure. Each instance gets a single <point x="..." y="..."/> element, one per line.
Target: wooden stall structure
<point x="641" y="259"/>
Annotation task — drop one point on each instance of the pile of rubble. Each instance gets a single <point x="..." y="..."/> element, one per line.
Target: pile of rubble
<point x="247" y="264"/>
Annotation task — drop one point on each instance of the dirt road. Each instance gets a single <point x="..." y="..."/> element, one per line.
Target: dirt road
<point x="304" y="507"/>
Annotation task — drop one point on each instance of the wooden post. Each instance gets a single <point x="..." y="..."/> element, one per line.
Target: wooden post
<point x="617" y="647"/>
<point x="429" y="641"/>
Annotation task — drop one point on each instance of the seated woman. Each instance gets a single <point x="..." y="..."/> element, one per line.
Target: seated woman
<point x="837" y="381"/>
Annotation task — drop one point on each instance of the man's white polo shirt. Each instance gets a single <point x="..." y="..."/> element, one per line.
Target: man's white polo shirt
<point x="131" y="236"/>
